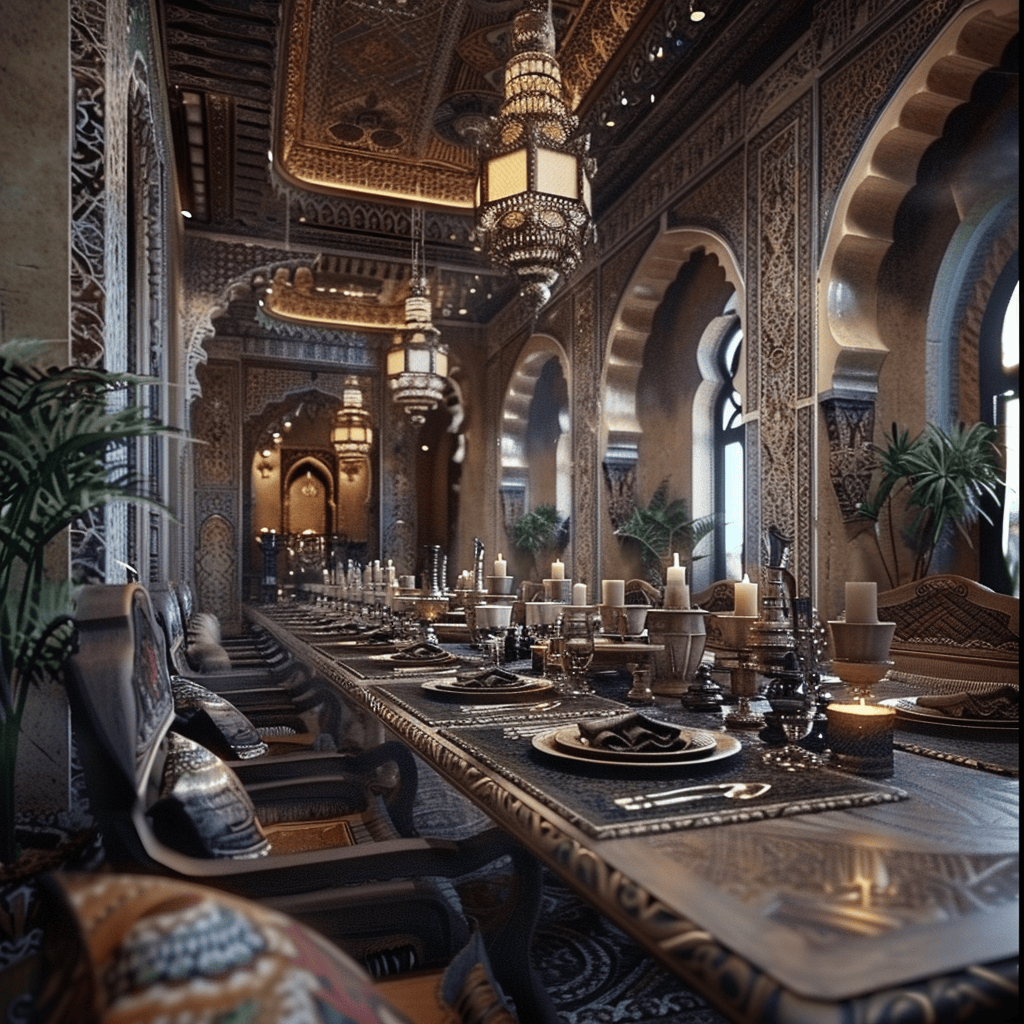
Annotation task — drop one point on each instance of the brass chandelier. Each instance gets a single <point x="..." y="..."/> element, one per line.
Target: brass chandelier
<point x="417" y="361"/>
<point x="533" y="206"/>
<point x="352" y="434"/>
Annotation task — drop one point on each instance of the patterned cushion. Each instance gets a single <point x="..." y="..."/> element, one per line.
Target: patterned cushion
<point x="208" y="718"/>
<point x="203" y="810"/>
<point x="163" y="950"/>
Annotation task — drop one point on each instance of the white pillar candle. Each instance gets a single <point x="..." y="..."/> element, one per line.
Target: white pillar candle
<point x="677" y="595"/>
<point x="745" y="598"/>
<point x="675" y="573"/>
<point x="613" y="593"/>
<point x="862" y="602"/>
<point x="500" y="566"/>
<point x="557" y="570"/>
<point x="579" y="593"/>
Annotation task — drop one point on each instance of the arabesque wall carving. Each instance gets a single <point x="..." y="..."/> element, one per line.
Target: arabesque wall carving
<point x="779" y="357"/>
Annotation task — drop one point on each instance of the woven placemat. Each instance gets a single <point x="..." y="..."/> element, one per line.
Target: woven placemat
<point x="585" y="793"/>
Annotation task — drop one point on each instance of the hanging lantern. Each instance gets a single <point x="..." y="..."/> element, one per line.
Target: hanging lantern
<point x="533" y="206"/>
<point x="417" y="361"/>
<point x="352" y="435"/>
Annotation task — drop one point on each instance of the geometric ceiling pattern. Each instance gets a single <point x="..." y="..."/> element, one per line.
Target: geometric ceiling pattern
<point x="320" y="124"/>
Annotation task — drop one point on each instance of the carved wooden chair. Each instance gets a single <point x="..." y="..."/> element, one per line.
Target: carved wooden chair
<point x="252" y="649"/>
<point x="641" y="592"/>
<point x="289" y="710"/>
<point x="719" y="597"/>
<point x="950" y="631"/>
<point x="316" y="841"/>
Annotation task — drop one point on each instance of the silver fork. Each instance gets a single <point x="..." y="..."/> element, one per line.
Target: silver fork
<point x="728" y="790"/>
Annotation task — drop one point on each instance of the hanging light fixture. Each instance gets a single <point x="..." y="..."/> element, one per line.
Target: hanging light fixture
<point x="352" y="435"/>
<point x="533" y="205"/>
<point x="417" y="361"/>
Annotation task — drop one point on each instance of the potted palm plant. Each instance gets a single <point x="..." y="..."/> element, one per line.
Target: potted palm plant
<point x="665" y="528"/>
<point x="542" y="533"/>
<point x="56" y="429"/>
<point x="929" y="487"/>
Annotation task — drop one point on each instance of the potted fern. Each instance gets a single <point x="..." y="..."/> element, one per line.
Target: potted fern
<point x="56" y="428"/>
<point x="930" y="487"/>
<point x="665" y="528"/>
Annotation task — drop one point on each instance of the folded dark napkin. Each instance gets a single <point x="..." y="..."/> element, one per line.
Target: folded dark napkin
<point x="421" y="652"/>
<point x="634" y="732"/>
<point x="492" y="677"/>
<point x="378" y="636"/>
<point x="1002" y="703"/>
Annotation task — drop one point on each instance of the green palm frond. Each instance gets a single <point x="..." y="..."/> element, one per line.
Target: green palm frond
<point x="60" y="433"/>
<point x="665" y="526"/>
<point x="543" y="529"/>
<point x="942" y="478"/>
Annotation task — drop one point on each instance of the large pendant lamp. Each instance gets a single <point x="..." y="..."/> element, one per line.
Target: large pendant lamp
<point x="417" y="361"/>
<point x="352" y="434"/>
<point x="533" y="206"/>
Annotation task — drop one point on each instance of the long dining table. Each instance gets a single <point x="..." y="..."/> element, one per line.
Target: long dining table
<point x="801" y="897"/>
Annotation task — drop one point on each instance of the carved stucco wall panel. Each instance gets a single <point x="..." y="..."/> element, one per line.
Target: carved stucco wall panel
<point x="215" y="425"/>
<point x="850" y="424"/>
<point x="790" y="76"/>
<point x="217" y="569"/>
<point x="398" y="491"/>
<point x="586" y="427"/>
<point x="689" y="156"/>
<point x="119" y="114"/>
<point x="779" y="353"/>
<point x="721" y="193"/>
<point x="88" y="48"/>
<point x="215" y="272"/>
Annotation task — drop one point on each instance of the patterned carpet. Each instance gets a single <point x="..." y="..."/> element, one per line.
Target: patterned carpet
<point x="593" y="971"/>
<point x="596" y="974"/>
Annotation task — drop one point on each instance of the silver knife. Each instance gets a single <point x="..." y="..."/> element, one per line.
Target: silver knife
<point x="729" y="790"/>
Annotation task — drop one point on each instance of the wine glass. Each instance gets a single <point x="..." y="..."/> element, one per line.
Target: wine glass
<point x="797" y="725"/>
<point x="576" y="630"/>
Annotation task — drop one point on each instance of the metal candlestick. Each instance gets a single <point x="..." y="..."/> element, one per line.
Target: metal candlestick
<point x="736" y="630"/>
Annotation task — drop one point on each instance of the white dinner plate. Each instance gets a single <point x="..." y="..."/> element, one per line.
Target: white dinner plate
<point x="725" y="746"/>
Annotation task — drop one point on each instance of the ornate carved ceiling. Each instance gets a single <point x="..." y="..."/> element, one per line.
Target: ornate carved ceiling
<point x="317" y="124"/>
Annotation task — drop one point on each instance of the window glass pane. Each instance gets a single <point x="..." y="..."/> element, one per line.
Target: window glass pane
<point x="1011" y="503"/>
<point x="734" y="510"/>
<point x="1011" y="332"/>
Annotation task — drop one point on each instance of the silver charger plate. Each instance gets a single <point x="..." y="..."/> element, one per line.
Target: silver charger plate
<point x="398" y="661"/>
<point x="452" y="689"/>
<point x="725" y="746"/>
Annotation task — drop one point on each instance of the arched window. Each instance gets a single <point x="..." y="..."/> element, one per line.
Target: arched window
<point x="999" y="389"/>
<point x="728" y="449"/>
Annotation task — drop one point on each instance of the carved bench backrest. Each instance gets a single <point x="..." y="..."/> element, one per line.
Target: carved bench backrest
<point x="951" y="627"/>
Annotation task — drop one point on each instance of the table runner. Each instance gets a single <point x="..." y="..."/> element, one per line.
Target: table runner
<point x="585" y="794"/>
